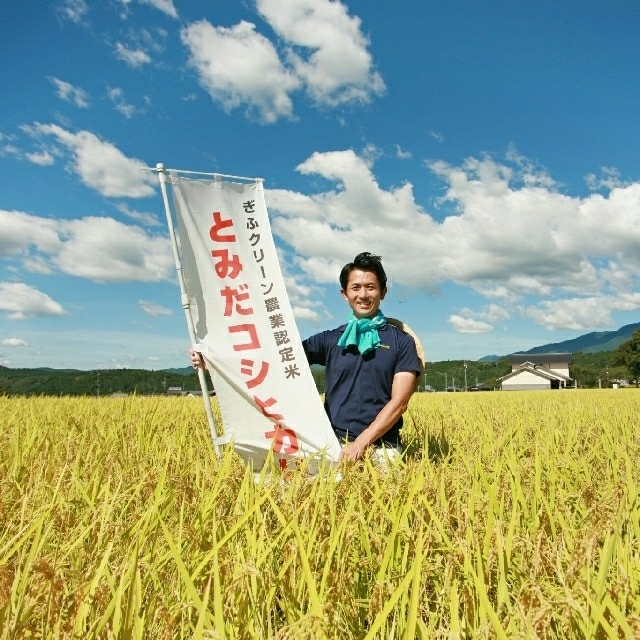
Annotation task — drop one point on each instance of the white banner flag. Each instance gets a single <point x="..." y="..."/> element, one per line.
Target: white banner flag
<point x="244" y="323"/>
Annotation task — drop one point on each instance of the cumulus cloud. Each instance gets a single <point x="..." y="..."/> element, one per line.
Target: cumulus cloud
<point x="154" y="309"/>
<point x="324" y="53"/>
<point x="581" y="313"/>
<point x="14" y="342"/>
<point x="99" y="249"/>
<point x="143" y="217"/>
<point x="501" y="228"/>
<point x="100" y="164"/>
<point x="66" y="91"/>
<point x="42" y="158"/>
<point x="23" y="301"/>
<point x="468" y="325"/>
<point x="166" y="6"/>
<point x="609" y="178"/>
<point x="133" y="57"/>
<point x="338" y="67"/>
<point x="302" y="297"/>
<point x="116" y="95"/>
<point x="474" y="322"/>
<point x="239" y="67"/>
<point x="72" y="10"/>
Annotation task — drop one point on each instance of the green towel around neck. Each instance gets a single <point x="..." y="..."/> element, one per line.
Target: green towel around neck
<point x="362" y="333"/>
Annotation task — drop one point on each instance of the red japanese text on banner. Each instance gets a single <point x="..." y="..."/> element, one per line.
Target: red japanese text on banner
<point x="244" y="323"/>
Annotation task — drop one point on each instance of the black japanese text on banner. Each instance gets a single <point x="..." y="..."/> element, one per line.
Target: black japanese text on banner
<point x="244" y="322"/>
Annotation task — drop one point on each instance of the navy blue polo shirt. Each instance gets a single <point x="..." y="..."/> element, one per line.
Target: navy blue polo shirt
<point x="358" y="386"/>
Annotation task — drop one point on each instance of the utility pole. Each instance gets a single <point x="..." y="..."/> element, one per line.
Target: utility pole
<point x="98" y="384"/>
<point x="465" y="375"/>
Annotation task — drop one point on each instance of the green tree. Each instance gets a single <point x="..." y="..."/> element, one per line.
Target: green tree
<point x="628" y="355"/>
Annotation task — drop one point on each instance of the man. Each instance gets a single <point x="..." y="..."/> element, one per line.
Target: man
<point x="370" y="365"/>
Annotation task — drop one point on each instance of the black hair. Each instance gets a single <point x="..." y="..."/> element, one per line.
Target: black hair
<point x="365" y="262"/>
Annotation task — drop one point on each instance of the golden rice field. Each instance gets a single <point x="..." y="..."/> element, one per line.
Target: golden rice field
<point x="515" y="516"/>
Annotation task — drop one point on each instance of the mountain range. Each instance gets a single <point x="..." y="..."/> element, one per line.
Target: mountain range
<point x="587" y="343"/>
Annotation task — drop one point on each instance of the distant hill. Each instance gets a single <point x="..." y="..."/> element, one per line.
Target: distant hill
<point x="590" y="342"/>
<point x="182" y="371"/>
<point x="47" y="381"/>
<point x="593" y="342"/>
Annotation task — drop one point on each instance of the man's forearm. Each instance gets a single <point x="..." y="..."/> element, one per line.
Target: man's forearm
<point x="401" y="392"/>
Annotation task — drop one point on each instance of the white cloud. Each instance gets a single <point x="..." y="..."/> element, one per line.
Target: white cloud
<point x="403" y="155"/>
<point x="14" y="342"/>
<point x="106" y="250"/>
<point x="306" y="313"/>
<point x="143" y="217"/>
<point x="473" y="322"/>
<point x="166" y="6"/>
<point x="10" y="150"/>
<point x="239" y="67"/>
<point x="66" y="91"/>
<point x="581" y="313"/>
<point x="154" y="309"/>
<point x="19" y="231"/>
<point x="100" y="165"/>
<point x="23" y="301"/>
<point x="512" y="237"/>
<point x="324" y="52"/>
<point x="43" y="158"/>
<point x="133" y="57"/>
<point x="357" y="215"/>
<point x="338" y="68"/>
<point x="302" y="296"/>
<point x="609" y="179"/>
<point x="495" y="313"/>
<point x="99" y="249"/>
<point x="492" y="313"/>
<point x="468" y="325"/>
<point x="72" y="10"/>
<point x="116" y="96"/>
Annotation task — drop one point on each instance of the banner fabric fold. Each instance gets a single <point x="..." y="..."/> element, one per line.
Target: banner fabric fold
<point x="244" y="323"/>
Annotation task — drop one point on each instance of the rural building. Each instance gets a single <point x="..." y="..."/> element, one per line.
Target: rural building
<point x="195" y="393"/>
<point x="537" y="371"/>
<point x="174" y="391"/>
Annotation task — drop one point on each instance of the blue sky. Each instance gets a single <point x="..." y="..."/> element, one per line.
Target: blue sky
<point x="488" y="151"/>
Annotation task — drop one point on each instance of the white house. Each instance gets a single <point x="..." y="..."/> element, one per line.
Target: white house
<point x="537" y="371"/>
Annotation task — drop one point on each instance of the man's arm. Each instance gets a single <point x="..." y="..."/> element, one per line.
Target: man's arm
<point x="402" y="389"/>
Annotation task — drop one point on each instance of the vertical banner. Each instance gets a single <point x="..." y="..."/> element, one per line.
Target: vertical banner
<point x="244" y="323"/>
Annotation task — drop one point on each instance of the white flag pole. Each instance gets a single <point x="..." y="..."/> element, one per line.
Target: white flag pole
<point x="162" y="177"/>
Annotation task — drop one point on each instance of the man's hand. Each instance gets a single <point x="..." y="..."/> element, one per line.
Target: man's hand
<point x="197" y="360"/>
<point x="352" y="452"/>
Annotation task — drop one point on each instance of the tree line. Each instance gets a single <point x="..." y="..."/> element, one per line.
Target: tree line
<point x="104" y="382"/>
<point x="590" y="370"/>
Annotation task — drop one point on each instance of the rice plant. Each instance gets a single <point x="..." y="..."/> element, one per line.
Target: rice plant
<point x="513" y="515"/>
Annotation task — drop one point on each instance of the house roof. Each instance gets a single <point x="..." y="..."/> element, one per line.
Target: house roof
<point x="540" y="358"/>
<point x="537" y="370"/>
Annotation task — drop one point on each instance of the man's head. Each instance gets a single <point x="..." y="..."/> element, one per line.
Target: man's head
<point x="364" y="284"/>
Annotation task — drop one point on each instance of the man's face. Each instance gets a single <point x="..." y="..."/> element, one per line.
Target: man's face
<point x="363" y="293"/>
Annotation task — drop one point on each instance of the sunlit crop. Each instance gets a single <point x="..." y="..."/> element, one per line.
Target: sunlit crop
<point x="514" y="515"/>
